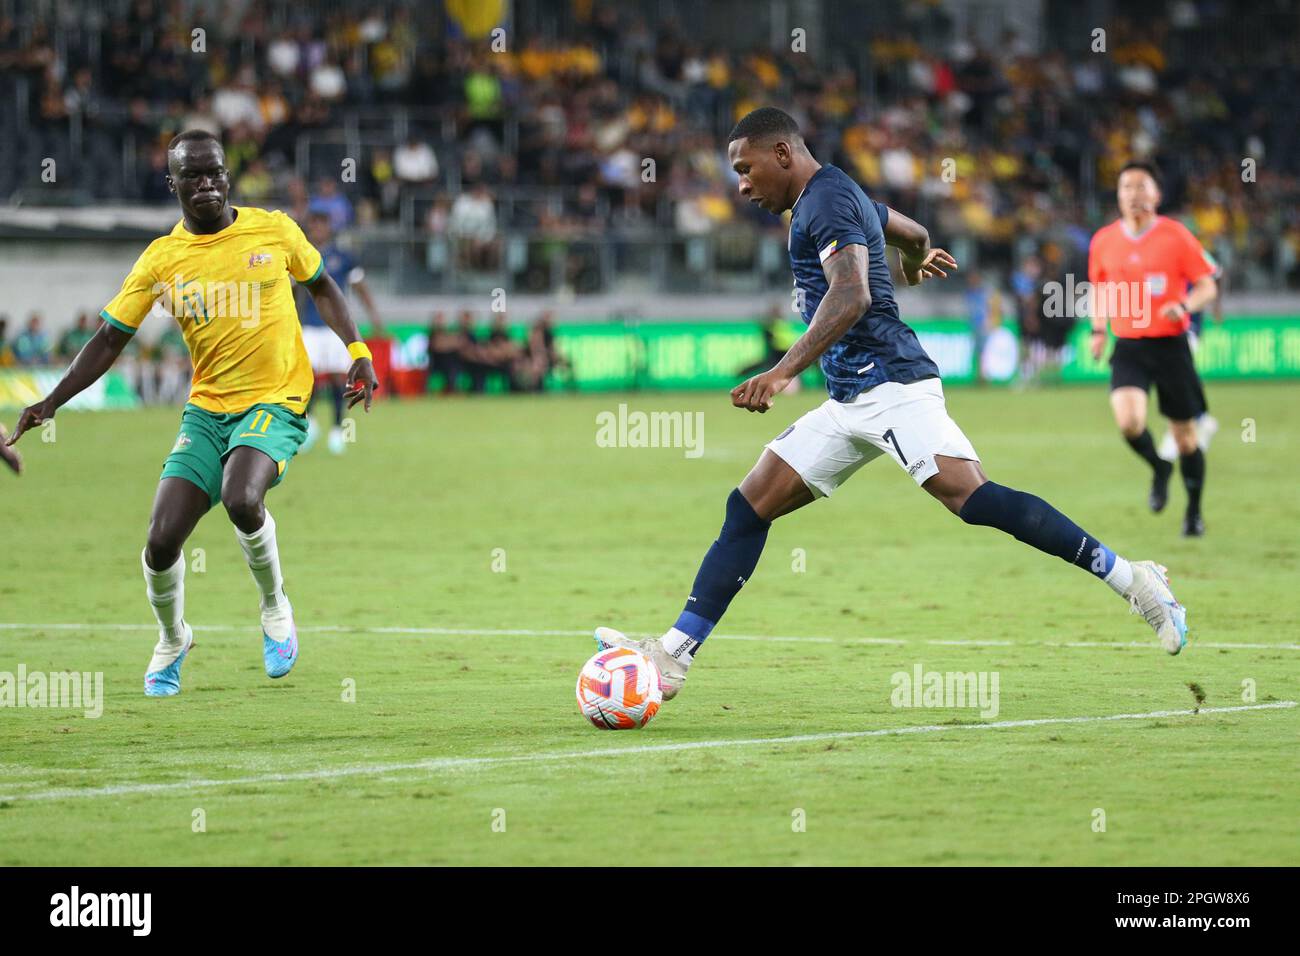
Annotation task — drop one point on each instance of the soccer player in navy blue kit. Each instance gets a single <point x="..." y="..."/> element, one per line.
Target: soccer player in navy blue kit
<point x="885" y="399"/>
<point x="329" y="358"/>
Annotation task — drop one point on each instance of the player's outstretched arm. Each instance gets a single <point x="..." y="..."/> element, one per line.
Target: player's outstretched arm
<point x="847" y="298"/>
<point x="333" y="308"/>
<point x="94" y="359"/>
<point x="917" y="260"/>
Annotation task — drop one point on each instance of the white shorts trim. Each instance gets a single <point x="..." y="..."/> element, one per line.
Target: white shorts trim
<point x="326" y="351"/>
<point x="910" y="423"/>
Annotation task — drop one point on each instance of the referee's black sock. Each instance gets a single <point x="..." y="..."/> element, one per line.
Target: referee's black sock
<point x="1146" y="448"/>
<point x="1193" y="468"/>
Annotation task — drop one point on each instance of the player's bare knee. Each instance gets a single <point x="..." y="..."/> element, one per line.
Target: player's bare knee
<point x="952" y="499"/>
<point x="162" y="547"/>
<point x="956" y="481"/>
<point x="1131" y="427"/>
<point x="244" y="507"/>
<point x="766" y="505"/>
<point x="772" y="488"/>
<point x="1185" y="437"/>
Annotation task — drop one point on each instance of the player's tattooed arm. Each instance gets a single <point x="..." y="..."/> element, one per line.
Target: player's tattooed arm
<point x="917" y="260"/>
<point x="95" y="358"/>
<point x="333" y="309"/>
<point x="847" y="298"/>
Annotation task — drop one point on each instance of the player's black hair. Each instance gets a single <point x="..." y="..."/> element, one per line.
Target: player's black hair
<point x="192" y="136"/>
<point x="1149" y="168"/>
<point x="766" y="122"/>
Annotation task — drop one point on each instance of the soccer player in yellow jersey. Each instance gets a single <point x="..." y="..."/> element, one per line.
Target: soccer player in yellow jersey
<point x="225" y="273"/>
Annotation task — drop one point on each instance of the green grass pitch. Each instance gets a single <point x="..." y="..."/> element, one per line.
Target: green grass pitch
<point x="464" y="743"/>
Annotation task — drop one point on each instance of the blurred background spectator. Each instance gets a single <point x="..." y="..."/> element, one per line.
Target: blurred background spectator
<point x="32" y="345"/>
<point x="71" y="341"/>
<point x="585" y="157"/>
<point x="446" y="354"/>
<point x="472" y="223"/>
<point x="998" y="123"/>
<point x="414" y="163"/>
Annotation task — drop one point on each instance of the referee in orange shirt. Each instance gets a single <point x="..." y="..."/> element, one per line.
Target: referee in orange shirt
<point x="1148" y="275"/>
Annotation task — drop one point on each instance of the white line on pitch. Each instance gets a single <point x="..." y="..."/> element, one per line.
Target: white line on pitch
<point x="527" y="632"/>
<point x="456" y="763"/>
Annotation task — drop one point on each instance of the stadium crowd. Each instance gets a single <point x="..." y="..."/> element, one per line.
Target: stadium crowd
<point x="1011" y="146"/>
<point x="1010" y="150"/>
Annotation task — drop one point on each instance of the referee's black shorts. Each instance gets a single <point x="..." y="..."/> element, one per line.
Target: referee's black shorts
<point x="1167" y="362"/>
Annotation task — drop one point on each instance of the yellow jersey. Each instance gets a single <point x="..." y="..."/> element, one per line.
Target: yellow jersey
<point x="230" y="292"/>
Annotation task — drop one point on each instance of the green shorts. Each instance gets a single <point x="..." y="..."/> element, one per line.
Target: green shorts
<point x="206" y="439"/>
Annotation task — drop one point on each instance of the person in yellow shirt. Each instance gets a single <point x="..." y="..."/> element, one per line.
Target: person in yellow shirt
<point x="224" y="272"/>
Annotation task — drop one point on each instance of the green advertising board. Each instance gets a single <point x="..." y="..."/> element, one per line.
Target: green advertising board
<point x="683" y="354"/>
<point x="701" y="353"/>
<point x="1247" y="347"/>
<point x="20" y="387"/>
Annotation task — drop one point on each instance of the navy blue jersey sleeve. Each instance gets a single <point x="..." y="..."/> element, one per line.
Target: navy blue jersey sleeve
<point x="835" y="220"/>
<point x="883" y="212"/>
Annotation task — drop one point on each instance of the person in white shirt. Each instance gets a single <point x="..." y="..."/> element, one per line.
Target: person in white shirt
<point x="415" y="162"/>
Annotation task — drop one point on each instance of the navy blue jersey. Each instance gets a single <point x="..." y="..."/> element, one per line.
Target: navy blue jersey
<point x="339" y="265"/>
<point x="833" y="212"/>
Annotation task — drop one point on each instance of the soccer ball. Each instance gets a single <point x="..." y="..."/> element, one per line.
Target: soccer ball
<point x="618" y="689"/>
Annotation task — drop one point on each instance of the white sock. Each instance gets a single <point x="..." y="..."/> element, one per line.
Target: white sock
<point x="166" y="591"/>
<point x="680" y="646"/>
<point x="1120" y="577"/>
<point x="264" y="561"/>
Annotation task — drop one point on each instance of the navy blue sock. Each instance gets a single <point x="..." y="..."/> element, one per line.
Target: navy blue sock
<point x="726" y="567"/>
<point x="1032" y="520"/>
<point x="336" y="393"/>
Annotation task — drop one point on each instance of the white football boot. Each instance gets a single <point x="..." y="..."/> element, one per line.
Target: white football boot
<point x="1168" y="449"/>
<point x="1151" y="597"/>
<point x="672" y="673"/>
<point x="1207" y="426"/>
